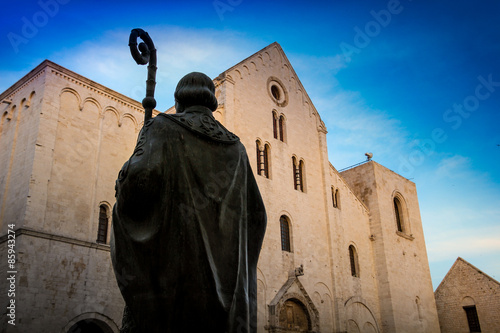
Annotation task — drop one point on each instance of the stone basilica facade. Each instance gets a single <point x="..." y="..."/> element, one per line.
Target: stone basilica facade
<point x="343" y="251"/>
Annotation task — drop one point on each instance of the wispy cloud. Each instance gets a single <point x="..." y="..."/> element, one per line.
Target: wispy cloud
<point x="107" y="59"/>
<point x="472" y="241"/>
<point x="356" y="128"/>
<point x="453" y="167"/>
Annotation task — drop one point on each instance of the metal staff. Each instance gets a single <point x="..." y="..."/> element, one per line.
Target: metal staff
<point x="145" y="53"/>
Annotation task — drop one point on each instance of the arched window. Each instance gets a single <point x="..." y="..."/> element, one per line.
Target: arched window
<point x="353" y="256"/>
<point x="275" y="125"/>
<point x="469" y="306"/>
<point x="398" y="211"/>
<point x="262" y="159"/>
<point x="285" y="233"/>
<point x="282" y="128"/>
<point x="102" y="231"/>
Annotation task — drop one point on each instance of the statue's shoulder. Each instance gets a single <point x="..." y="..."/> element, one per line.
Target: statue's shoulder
<point x="203" y="124"/>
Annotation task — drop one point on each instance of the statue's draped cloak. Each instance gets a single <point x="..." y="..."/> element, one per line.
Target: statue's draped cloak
<point x="188" y="226"/>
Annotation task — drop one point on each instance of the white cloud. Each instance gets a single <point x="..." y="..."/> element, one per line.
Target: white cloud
<point x="453" y="167"/>
<point x="355" y="128"/>
<point x="472" y="241"/>
<point x="107" y="60"/>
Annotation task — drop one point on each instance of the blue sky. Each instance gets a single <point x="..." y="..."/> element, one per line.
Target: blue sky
<point x="417" y="83"/>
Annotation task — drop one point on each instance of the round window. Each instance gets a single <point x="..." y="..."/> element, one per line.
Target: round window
<point x="277" y="91"/>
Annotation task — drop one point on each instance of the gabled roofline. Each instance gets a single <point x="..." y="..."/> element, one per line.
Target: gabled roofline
<point x="282" y="53"/>
<point x="471" y="265"/>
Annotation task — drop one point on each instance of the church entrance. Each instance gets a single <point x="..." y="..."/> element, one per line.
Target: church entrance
<point x="90" y="326"/>
<point x="293" y="317"/>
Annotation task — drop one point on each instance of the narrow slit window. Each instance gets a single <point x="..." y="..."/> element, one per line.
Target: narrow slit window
<point x="275" y="125"/>
<point x="262" y="159"/>
<point x="282" y="128"/>
<point x="301" y="175"/>
<point x="102" y="232"/>
<point x="333" y="198"/>
<point x="398" y="212"/>
<point x="337" y="198"/>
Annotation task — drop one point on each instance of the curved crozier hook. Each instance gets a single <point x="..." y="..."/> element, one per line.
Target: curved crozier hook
<point x="145" y="53"/>
<point x="142" y="53"/>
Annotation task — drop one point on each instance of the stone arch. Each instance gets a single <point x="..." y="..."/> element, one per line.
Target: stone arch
<point x="267" y="56"/>
<point x="112" y="110"/>
<point x="357" y="311"/>
<point x="262" y="63"/>
<point x="91" y="322"/>
<point x="292" y="293"/>
<point x="75" y="93"/>
<point x="3" y="120"/>
<point x="325" y="306"/>
<point x="131" y="117"/>
<point x="93" y="101"/>
<point x="322" y="289"/>
<point x="30" y="99"/>
<point x="369" y="328"/>
<point x="11" y="113"/>
<point x="261" y="277"/>
<point x="246" y="69"/>
<point x="294" y="316"/>
<point x="352" y="326"/>
<point x="238" y="74"/>
<point x="468" y="301"/>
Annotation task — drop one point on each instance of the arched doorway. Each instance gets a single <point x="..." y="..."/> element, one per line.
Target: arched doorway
<point x="293" y="317"/>
<point x="90" y="326"/>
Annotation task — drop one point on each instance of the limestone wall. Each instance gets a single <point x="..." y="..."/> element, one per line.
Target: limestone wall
<point x="358" y="302"/>
<point x="75" y="281"/>
<point x="86" y="134"/>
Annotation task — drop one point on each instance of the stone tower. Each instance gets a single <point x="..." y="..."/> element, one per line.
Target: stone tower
<point x="400" y="257"/>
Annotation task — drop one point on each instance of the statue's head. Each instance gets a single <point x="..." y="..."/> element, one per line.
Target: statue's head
<point x="195" y="89"/>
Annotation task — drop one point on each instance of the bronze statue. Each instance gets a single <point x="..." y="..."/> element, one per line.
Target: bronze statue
<point x="188" y="222"/>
